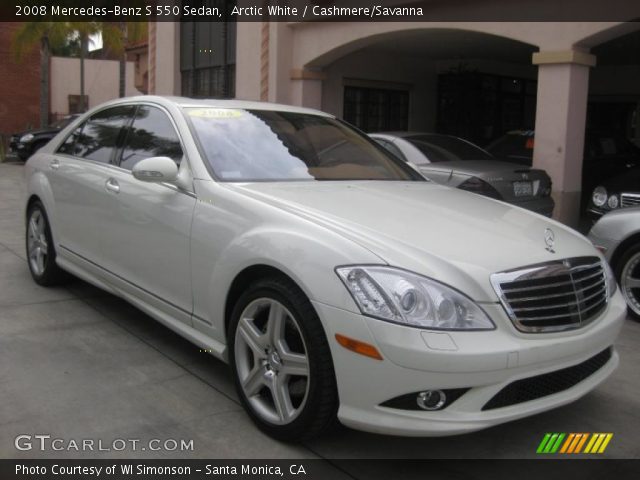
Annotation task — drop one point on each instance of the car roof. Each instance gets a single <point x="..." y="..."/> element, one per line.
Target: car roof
<point x="410" y="134"/>
<point x="218" y="103"/>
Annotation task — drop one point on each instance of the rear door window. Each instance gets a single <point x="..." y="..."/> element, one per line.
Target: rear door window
<point x="99" y="137"/>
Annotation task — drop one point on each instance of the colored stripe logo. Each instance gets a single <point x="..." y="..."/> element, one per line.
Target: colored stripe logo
<point x="573" y="443"/>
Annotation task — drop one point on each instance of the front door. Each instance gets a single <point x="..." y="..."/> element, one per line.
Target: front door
<point x="150" y="249"/>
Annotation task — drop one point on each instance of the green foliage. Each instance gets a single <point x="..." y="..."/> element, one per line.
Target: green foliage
<point x="116" y="35"/>
<point x="31" y="35"/>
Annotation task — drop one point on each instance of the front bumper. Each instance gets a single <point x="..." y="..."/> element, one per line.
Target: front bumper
<point x="22" y="150"/>
<point x="484" y="362"/>
<point x="606" y="245"/>
<point x="594" y="213"/>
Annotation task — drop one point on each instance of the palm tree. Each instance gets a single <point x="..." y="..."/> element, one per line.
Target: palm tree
<point x="116" y="36"/>
<point x="84" y="30"/>
<point x="45" y="35"/>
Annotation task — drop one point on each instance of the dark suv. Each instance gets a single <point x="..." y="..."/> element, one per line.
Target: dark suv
<point x="606" y="154"/>
<point x="27" y="143"/>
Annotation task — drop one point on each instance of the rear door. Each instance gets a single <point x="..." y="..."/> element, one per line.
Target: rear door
<point x="79" y="174"/>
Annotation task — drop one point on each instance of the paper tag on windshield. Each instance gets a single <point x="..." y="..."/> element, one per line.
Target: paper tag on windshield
<point x="214" y="113"/>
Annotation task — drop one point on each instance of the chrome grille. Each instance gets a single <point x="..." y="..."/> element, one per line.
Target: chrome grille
<point x="629" y="199"/>
<point x="553" y="296"/>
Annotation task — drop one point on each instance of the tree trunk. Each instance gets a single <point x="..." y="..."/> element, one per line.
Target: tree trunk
<point x="122" y="73"/>
<point x="123" y="60"/>
<point x="83" y="49"/>
<point x="44" y="81"/>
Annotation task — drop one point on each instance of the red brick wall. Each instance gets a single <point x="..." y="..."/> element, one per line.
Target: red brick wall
<point x="19" y="85"/>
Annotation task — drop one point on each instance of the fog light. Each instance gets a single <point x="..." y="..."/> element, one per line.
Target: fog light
<point x="431" y="399"/>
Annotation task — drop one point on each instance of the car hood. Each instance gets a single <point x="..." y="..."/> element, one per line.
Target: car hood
<point x="481" y="168"/>
<point x="453" y="236"/>
<point x="40" y="131"/>
<point x="627" y="182"/>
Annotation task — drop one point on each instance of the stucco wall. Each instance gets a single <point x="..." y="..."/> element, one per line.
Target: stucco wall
<point x="166" y="59"/>
<point x="363" y="69"/>
<point x="101" y="81"/>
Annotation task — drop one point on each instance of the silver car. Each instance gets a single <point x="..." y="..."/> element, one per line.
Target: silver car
<point x="458" y="163"/>
<point x="617" y="236"/>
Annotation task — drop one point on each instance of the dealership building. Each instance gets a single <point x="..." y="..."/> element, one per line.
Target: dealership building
<point x="473" y="79"/>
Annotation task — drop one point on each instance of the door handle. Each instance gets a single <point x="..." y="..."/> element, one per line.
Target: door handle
<point x="112" y="186"/>
<point x="55" y="164"/>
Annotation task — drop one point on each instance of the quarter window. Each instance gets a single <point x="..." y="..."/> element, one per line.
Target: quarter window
<point x="151" y="135"/>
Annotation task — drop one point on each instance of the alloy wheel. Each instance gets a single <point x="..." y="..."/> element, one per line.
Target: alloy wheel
<point x="37" y="245"/>
<point x="630" y="283"/>
<point x="271" y="361"/>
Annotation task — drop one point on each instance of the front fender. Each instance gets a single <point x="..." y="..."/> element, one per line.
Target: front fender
<point x="225" y="244"/>
<point x="38" y="185"/>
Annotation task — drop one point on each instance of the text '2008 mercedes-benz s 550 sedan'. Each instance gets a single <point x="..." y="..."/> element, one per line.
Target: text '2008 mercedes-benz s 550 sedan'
<point x="336" y="281"/>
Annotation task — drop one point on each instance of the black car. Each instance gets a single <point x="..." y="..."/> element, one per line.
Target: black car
<point x="26" y="143"/>
<point x="606" y="155"/>
<point x="616" y="192"/>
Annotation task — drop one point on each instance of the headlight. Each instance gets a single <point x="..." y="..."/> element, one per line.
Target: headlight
<point x="403" y="297"/>
<point x="26" y="138"/>
<point x="611" y="280"/>
<point x="613" y="202"/>
<point x="599" y="196"/>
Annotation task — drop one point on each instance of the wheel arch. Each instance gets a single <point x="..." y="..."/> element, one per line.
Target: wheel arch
<point x="30" y="201"/>
<point x="39" y="189"/>
<point x="245" y="278"/>
<point x="627" y="243"/>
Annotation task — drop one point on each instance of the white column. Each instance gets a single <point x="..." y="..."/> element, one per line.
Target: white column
<point x="306" y="88"/>
<point x="167" y="58"/>
<point x="248" y="52"/>
<point x="563" y="83"/>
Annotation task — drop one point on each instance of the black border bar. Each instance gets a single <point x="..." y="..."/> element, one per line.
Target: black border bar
<point x="321" y="10"/>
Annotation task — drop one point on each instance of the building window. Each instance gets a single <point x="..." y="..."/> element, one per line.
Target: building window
<point x="208" y="55"/>
<point x="481" y="107"/>
<point x="375" y="109"/>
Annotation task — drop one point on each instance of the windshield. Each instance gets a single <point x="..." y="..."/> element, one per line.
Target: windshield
<point x="613" y="145"/>
<point x="63" y="122"/>
<point x="514" y="147"/>
<point x="259" y="145"/>
<point x="443" y="148"/>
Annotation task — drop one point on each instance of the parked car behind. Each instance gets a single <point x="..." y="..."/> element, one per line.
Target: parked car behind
<point x="458" y="163"/>
<point x="26" y="143"/>
<point x="606" y="154"/>
<point x="336" y="281"/>
<point x="617" y="236"/>
<point x="621" y="191"/>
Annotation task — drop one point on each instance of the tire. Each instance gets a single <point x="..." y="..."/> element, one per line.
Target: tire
<point x="266" y="359"/>
<point x="41" y="253"/>
<point x="627" y="270"/>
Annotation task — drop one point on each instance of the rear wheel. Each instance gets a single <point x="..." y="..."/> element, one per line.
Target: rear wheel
<point x="628" y="275"/>
<point x="41" y="253"/>
<point x="281" y="362"/>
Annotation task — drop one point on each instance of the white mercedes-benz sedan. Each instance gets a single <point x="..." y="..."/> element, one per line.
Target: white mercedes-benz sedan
<point x="336" y="281"/>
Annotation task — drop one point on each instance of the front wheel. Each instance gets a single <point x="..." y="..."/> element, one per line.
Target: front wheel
<point x="281" y="361"/>
<point x="41" y="253"/>
<point x="628" y="275"/>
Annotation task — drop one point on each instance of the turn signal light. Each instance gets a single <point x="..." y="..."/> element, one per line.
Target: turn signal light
<point x="357" y="346"/>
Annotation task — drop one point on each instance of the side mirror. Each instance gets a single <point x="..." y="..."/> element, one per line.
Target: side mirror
<point x="156" y="170"/>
